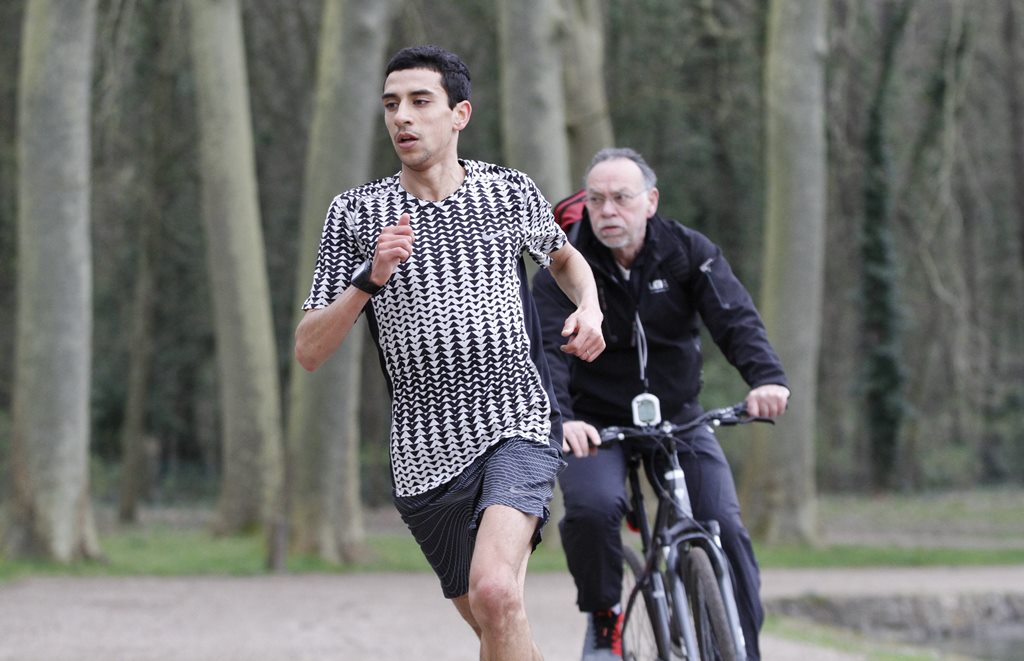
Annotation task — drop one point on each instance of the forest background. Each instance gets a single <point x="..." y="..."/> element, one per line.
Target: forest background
<point x="165" y="168"/>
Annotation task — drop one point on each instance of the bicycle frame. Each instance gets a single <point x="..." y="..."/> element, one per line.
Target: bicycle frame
<point x="674" y="532"/>
<point x="660" y="553"/>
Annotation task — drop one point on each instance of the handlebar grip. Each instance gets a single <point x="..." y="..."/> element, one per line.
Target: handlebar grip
<point x="737" y="414"/>
<point x="611" y="434"/>
<point x="725" y="416"/>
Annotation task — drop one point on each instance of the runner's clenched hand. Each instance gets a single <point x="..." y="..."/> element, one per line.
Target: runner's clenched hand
<point x="394" y="246"/>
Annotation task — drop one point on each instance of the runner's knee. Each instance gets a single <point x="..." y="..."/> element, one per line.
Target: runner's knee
<point x="495" y="600"/>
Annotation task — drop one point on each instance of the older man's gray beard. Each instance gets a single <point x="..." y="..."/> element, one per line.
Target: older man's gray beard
<point x="615" y="244"/>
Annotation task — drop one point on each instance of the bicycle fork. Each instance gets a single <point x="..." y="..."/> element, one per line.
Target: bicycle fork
<point x="724" y="576"/>
<point x="681" y="618"/>
<point x="675" y="478"/>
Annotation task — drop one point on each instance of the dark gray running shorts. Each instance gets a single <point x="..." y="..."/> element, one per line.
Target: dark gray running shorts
<point x="514" y="472"/>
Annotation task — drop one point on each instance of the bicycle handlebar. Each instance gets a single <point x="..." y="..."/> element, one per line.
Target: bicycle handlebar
<point x="726" y="416"/>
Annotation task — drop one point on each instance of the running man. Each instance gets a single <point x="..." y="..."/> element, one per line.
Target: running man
<point x="435" y="251"/>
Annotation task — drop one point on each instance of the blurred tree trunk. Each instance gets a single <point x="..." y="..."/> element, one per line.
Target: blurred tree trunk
<point x="730" y="216"/>
<point x="884" y="372"/>
<point x="146" y="78"/>
<point x="323" y="414"/>
<point x="841" y="448"/>
<point x="1008" y="361"/>
<point x="948" y="355"/>
<point x="11" y="22"/>
<point x="135" y="474"/>
<point x="252" y="484"/>
<point x="589" y="122"/>
<point x="1015" y="103"/>
<point x="51" y="514"/>
<point x="533" y="115"/>
<point x="780" y="488"/>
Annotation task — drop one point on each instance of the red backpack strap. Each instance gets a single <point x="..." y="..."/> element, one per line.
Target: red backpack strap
<point x="570" y="210"/>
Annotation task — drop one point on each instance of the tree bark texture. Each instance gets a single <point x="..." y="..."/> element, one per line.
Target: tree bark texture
<point x="136" y="476"/>
<point x="147" y="140"/>
<point x="881" y="317"/>
<point x="937" y="240"/>
<point x="780" y="480"/>
<point x="841" y="447"/>
<point x="323" y="414"/>
<point x="587" y="117"/>
<point x="251" y="488"/>
<point x="1015" y="102"/>
<point x="533" y="115"/>
<point x="51" y="513"/>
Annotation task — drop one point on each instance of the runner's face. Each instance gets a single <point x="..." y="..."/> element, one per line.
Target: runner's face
<point x="619" y="204"/>
<point x="423" y="129"/>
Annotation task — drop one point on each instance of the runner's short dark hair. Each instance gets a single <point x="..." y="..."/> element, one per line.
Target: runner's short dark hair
<point x="454" y="72"/>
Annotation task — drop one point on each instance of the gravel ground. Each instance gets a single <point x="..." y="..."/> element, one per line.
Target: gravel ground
<point x="403" y="617"/>
<point x="365" y="616"/>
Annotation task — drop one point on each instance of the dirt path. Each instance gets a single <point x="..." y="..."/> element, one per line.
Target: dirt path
<point x="355" y="617"/>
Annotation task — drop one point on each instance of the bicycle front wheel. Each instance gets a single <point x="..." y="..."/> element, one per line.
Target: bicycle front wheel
<point x="645" y="633"/>
<point x="714" y="635"/>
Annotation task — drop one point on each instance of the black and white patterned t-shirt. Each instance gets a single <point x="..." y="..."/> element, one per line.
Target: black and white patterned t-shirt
<point x="450" y="321"/>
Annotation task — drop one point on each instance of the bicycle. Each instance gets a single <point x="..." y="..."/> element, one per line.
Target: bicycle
<point x="680" y="593"/>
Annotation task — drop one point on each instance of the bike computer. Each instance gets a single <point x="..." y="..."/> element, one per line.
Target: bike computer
<point x="646" y="410"/>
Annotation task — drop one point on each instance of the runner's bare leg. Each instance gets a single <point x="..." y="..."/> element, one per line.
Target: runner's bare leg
<point x="495" y="606"/>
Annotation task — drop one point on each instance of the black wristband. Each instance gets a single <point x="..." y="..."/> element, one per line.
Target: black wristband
<point x="361" y="278"/>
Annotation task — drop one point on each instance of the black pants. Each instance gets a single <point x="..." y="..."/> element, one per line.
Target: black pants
<point x="594" y="489"/>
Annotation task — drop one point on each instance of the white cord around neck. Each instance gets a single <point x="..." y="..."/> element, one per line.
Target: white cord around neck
<point x="641" y="349"/>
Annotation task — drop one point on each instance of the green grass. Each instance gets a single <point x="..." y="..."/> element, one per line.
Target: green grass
<point x="156" y="552"/>
<point x="176" y="552"/>
<point x="177" y="541"/>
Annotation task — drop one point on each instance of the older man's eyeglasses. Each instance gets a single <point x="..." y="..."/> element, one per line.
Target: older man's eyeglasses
<point x="620" y="199"/>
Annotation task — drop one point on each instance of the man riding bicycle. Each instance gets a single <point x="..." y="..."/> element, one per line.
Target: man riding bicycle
<point x="656" y="280"/>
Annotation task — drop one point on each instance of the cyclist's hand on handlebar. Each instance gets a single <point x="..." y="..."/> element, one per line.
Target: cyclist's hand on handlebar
<point x="768" y="401"/>
<point x="580" y="438"/>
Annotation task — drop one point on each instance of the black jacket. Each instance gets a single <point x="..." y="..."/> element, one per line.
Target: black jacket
<point x="679" y="279"/>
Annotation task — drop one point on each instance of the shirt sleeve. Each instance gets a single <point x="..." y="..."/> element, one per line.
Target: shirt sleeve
<point x="728" y="311"/>
<point x="543" y="235"/>
<point x="337" y="259"/>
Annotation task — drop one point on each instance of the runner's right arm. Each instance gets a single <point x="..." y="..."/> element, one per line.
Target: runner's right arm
<point x="321" y="331"/>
